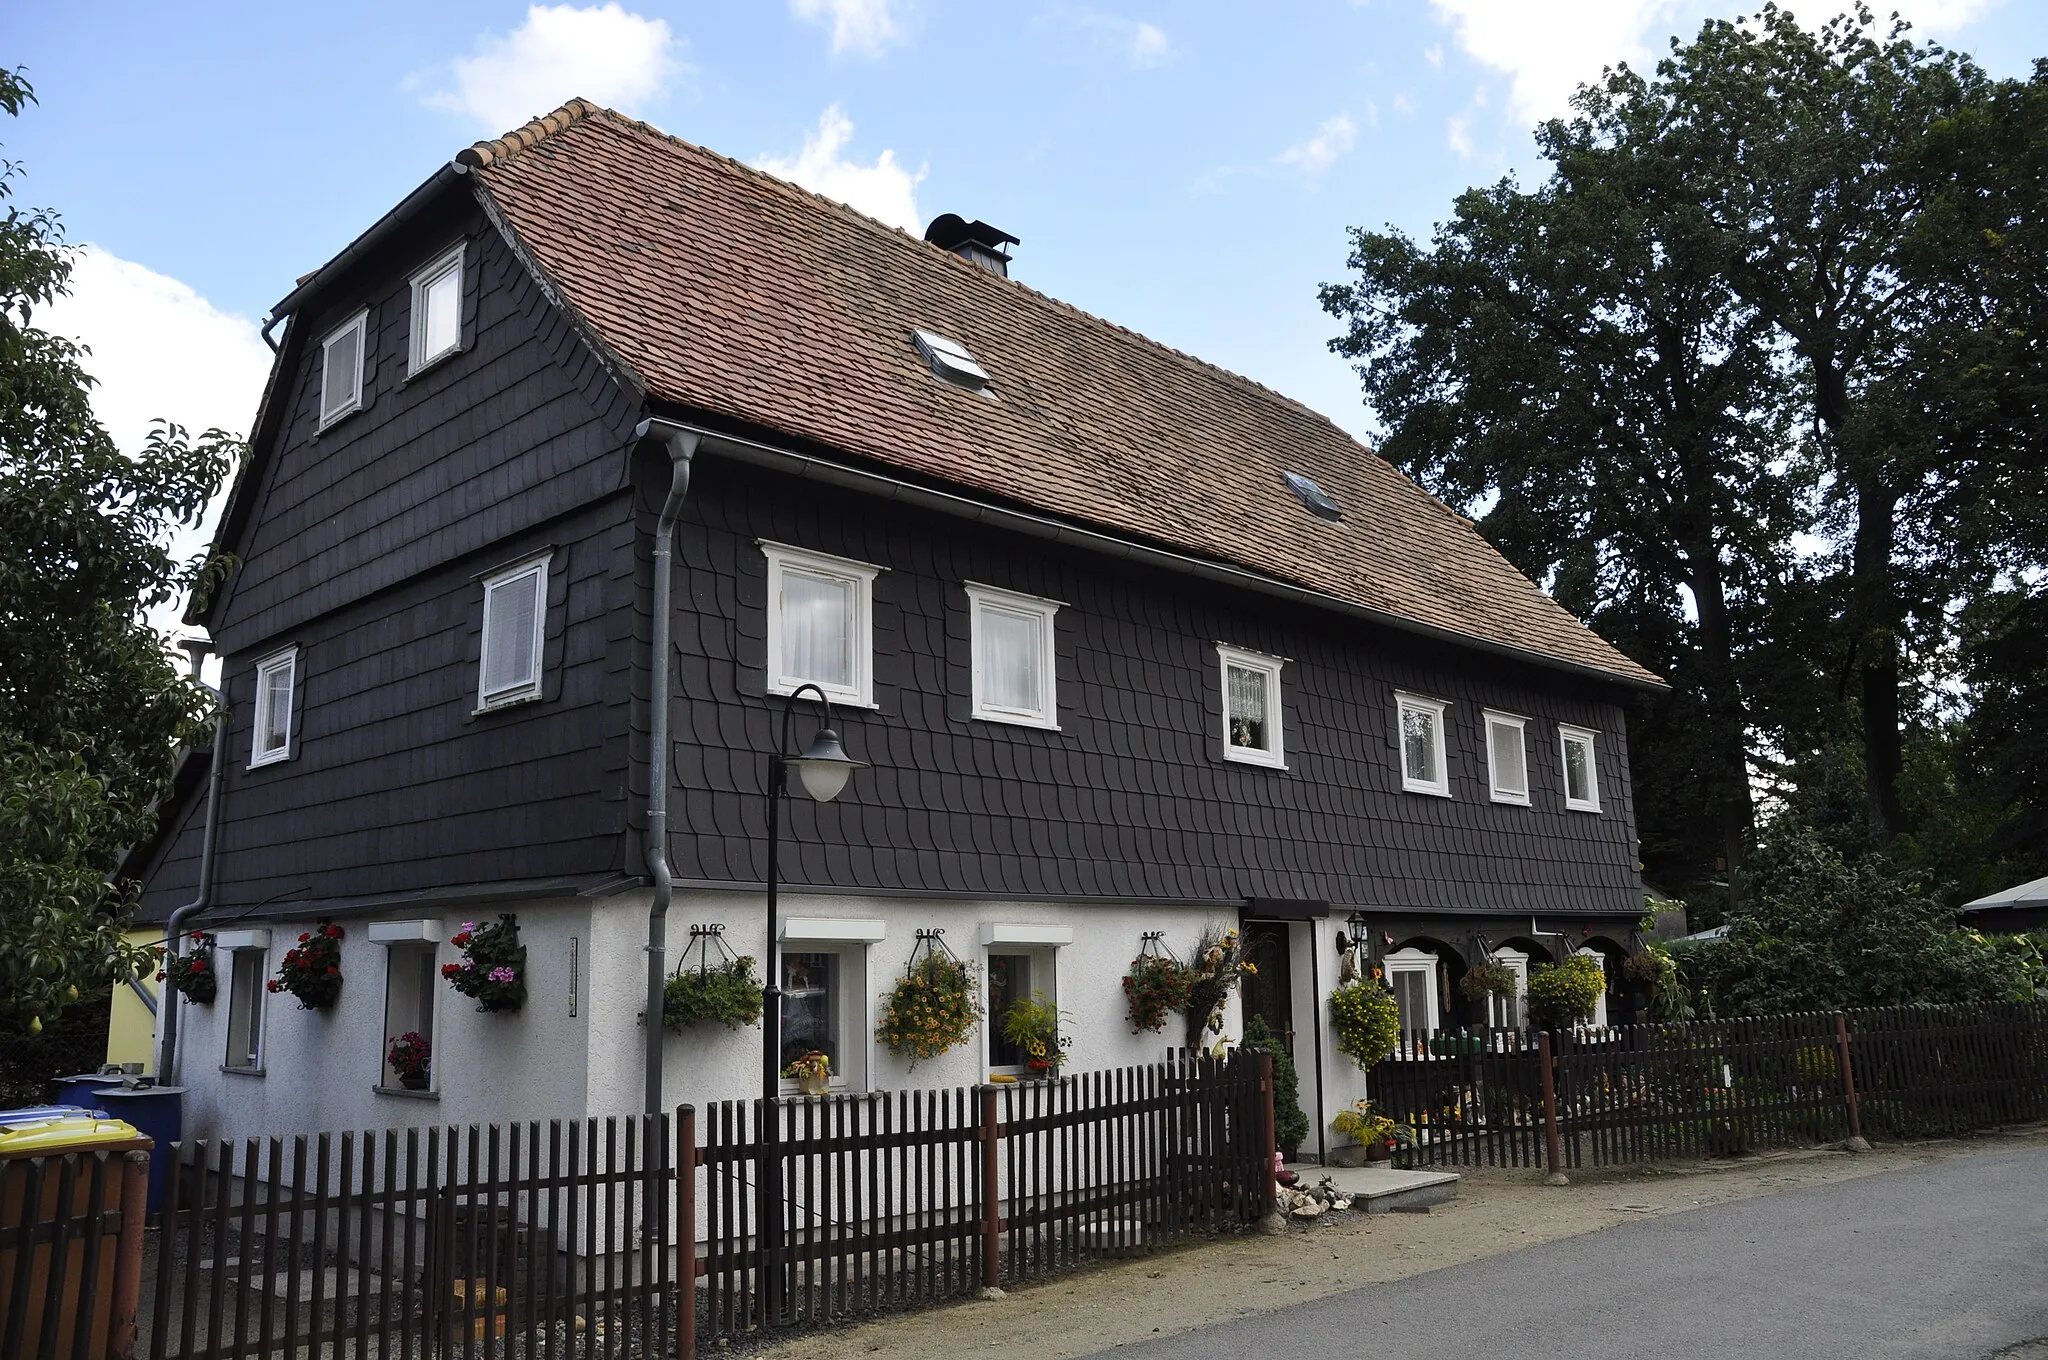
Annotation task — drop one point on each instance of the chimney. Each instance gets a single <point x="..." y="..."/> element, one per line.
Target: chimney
<point x="977" y="242"/>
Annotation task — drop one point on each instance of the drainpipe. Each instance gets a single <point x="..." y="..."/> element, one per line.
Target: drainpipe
<point x="681" y="445"/>
<point x="174" y="928"/>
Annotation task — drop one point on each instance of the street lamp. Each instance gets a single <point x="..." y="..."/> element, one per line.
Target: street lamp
<point x="821" y="771"/>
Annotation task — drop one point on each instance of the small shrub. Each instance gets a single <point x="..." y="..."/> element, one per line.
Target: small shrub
<point x="1367" y="1019"/>
<point x="728" y="993"/>
<point x="1290" y="1123"/>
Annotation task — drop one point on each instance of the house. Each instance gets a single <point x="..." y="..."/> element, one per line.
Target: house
<point x="2010" y="911"/>
<point x="1129" y="644"/>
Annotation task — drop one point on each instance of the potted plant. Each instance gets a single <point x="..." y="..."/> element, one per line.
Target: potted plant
<point x="1033" y="1024"/>
<point x="1155" y="987"/>
<point x="411" y="1057"/>
<point x="728" y="993"/>
<point x="1565" y="994"/>
<point x="812" y="1073"/>
<point x="1486" y="980"/>
<point x="192" y="974"/>
<point x="1367" y="1020"/>
<point x="933" y="1006"/>
<point x="493" y="967"/>
<point x="1372" y="1132"/>
<point x="311" y="971"/>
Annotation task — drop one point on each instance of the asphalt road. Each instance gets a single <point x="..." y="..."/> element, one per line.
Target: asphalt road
<point x="1948" y="1260"/>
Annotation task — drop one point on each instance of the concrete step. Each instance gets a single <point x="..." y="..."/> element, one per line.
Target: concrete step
<point x="1383" y="1190"/>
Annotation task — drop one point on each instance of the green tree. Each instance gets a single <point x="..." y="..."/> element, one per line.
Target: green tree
<point x="1290" y="1122"/>
<point x="92" y="710"/>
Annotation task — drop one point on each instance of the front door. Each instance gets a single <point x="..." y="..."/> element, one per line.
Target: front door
<point x="1269" y="993"/>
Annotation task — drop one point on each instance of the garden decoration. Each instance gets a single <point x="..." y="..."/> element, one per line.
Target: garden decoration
<point x="1564" y="994"/>
<point x="812" y="1072"/>
<point x="1489" y="979"/>
<point x="411" y="1057"/>
<point x="933" y="1006"/>
<point x="493" y="967"/>
<point x="1033" y="1024"/>
<point x="191" y="974"/>
<point x="1156" y="985"/>
<point x="311" y="971"/>
<point x="726" y="990"/>
<point x="1219" y="965"/>
<point x="1367" y="1020"/>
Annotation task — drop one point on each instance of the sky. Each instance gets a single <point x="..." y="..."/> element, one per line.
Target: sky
<point x="1188" y="170"/>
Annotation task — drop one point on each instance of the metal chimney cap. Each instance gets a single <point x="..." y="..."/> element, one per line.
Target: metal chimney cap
<point x="949" y="231"/>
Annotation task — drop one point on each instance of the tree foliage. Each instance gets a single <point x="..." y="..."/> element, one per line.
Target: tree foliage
<point x="92" y="710"/>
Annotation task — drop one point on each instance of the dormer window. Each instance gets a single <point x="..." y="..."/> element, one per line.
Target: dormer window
<point x="341" y="369"/>
<point x="951" y="361"/>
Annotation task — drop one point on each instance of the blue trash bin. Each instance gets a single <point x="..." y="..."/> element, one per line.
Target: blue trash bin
<point x="83" y="1090"/>
<point x="158" y="1111"/>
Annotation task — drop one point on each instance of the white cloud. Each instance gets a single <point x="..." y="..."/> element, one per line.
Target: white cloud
<point x="1434" y="54"/>
<point x="1335" y="137"/>
<point x="868" y="27"/>
<point x="1133" y="42"/>
<point x="159" y="350"/>
<point x="602" y="53"/>
<point x="1148" y="45"/>
<point x="1548" y="48"/>
<point x="1458" y="133"/>
<point x="883" y="189"/>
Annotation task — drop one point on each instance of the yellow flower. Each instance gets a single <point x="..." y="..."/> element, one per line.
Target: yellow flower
<point x="1250" y="967"/>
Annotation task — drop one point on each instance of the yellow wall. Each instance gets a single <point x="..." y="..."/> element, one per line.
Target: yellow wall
<point x="131" y="1029"/>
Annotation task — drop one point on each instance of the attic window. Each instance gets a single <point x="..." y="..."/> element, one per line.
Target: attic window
<point x="1314" y="497"/>
<point x="951" y="361"/>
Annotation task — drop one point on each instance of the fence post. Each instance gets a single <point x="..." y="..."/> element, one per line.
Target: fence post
<point x="128" y="1255"/>
<point x="686" y="1232"/>
<point x="991" y="1205"/>
<point x="1552" y="1146"/>
<point x="1857" y="1142"/>
<point x="1270" y="1220"/>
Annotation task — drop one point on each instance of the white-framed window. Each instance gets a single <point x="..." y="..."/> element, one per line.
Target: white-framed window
<point x="1507" y="758"/>
<point x="820" y="624"/>
<point x="436" y="311"/>
<point x="341" y="368"/>
<point x="824" y="1007"/>
<point x="1581" y="770"/>
<point x="410" y="979"/>
<point x="515" y="627"/>
<point x="246" y="975"/>
<point x="1508" y="1012"/>
<point x="276" y="690"/>
<point x="1015" y="677"/>
<point x="1419" y="724"/>
<point x="1599" y="1020"/>
<point x="1251" y="706"/>
<point x="1411" y="974"/>
<point x="1015" y="973"/>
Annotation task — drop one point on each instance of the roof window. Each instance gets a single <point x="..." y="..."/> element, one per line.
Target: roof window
<point x="950" y="360"/>
<point x="1314" y="497"/>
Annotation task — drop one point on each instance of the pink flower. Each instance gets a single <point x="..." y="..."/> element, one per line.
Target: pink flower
<point x="503" y="974"/>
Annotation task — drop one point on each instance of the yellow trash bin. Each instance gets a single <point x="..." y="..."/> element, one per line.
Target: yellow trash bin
<point x="73" y="1190"/>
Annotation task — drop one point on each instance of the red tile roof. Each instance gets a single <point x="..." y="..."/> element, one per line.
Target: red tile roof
<point x="731" y="292"/>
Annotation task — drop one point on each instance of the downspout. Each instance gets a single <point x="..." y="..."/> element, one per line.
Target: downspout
<point x="682" y="447"/>
<point x="174" y="928"/>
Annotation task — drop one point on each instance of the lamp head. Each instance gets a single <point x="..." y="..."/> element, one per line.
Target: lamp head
<point x="825" y="767"/>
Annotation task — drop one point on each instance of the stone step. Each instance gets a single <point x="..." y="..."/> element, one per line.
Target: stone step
<point x="1383" y="1190"/>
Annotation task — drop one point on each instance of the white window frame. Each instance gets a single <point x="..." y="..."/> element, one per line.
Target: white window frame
<point x="448" y="262"/>
<point x="1274" y="754"/>
<point x="1512" y="723"/>
<point x="1404" y="702"/>
<point x="983" y="599"/>
<point x="255" y="958"/>
<point x="407" y="945"/>
<point x="856" y="1021"/>
<point x="1045" y="963"/>
<point x="1510" y="1012"/>
<point x="531" y="687"/>
<point x="1565" y="737"/>
<point x="287" y="661"/>
<point x="861" y="575"/>
<point x="1413" y="960"/>
<point x="360" y="325"/>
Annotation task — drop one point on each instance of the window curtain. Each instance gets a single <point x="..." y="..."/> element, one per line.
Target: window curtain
<point x="514" y="606"/>
<point x="1510" y="766"/>
<point x="1418" y="743"/>
<point x="1247" y="708"/>
<point x="1011" y="661"/>
<point x="817" y="629"/>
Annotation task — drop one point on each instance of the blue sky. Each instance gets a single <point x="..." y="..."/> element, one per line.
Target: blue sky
<point x="1186" y="170"/>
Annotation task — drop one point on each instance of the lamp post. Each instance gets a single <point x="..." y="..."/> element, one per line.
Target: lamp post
<point x="821" y="771"/>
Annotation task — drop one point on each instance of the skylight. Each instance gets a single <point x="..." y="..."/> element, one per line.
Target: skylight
<point x="950" y="360"/>
<point x="1314" y="497"/>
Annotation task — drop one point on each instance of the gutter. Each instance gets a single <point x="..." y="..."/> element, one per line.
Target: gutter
<point x="886" y="487"/>
<point x="681" y="444"/>
<point x="379" y="232"/>
<point x="174" y="928"/>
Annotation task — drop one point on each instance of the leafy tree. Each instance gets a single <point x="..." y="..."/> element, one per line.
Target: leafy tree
<point x="1290" y="1123"/>
<point x="92" y="710"/>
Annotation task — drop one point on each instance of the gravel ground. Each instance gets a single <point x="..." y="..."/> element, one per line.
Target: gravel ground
<point x="1496" y="1212"/>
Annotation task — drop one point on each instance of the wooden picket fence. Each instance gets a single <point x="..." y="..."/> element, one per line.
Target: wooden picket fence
<point x="1643" y="1093"/>
<point x="584" y="1239"/>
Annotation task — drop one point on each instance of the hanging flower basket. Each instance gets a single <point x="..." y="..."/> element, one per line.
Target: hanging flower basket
<point x="192" y="974"/>
<point x="1490" y="979"/>
<point x="493" y="967"/>
<point x="311" y="970"/>
<point x="727" y="992"/>
<point x="1156" y="986"/>
<point x="1367" y="1020"/>
<point x="934" y="1006"/>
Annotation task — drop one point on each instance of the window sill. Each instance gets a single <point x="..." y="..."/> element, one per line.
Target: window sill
<point x="1511" y="800"/>
<point x="838" y="701"/>
<point x="241" y="1071"/>
<point x="1593" y="808"/>
<point x="1430" y="789"/>
<point x="514" y="701"/>
<point x="1237" y="755"/>
<point x="409" y="1095"/>
<point x="430" y="365"/>
<point x="331" y="421"/>
<point x="1015" y="720"/>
